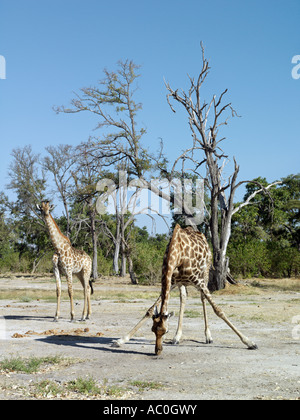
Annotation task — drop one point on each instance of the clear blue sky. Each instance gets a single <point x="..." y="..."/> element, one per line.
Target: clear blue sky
<point x="53" y="48"/>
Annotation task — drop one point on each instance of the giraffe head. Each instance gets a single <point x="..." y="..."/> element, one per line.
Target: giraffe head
<point x="160" y="328"/>
<point x="45" y="207"/>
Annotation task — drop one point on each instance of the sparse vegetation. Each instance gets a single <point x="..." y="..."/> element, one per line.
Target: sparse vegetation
<point x="31" y="365"/>
<point x="79" y="388"/>
<point x="146" y="385"/>
<point x="82" y="388"/>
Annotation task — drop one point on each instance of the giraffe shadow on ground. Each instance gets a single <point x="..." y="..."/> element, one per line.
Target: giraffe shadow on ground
<point x="27" y="318"/>
<point x="188" y="343"/>
<point x="96" y="343"/>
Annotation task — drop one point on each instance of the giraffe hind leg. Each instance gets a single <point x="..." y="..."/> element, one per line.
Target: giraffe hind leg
<point x="58" y="285"/>
<point x="208" y="336"/>
<point x="84" y="277"/>
<point x="178" y="334"/>
<point x="251" y="345"/>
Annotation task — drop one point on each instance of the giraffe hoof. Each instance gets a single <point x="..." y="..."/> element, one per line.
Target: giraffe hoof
<point x="158" y="350"/>
<point x="116" y="344"/>
<point x="209" y="341"/>
<point x="252" y="346"/>
<point x="175" y="341"/>
<point x="55" y="319"/>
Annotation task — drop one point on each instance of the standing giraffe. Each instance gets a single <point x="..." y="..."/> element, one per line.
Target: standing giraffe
<point x="187" y="261"/>
<point x="68" y="260"/>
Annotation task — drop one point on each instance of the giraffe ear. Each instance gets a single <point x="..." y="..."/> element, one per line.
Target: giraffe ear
<point x="38" y="207"/>
<point x="51" y="207"/>
<point x="167" y="316"/>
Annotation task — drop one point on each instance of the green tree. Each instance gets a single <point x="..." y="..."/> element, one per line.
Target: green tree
<point x="28" y="182"/>
<point x="265" y="234"/>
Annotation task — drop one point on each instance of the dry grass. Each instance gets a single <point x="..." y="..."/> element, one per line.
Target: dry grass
<point x="121" y="290"/>
<point x="27" y="295"/>
<point x="284" y="285"/>
<point x="259" y="286"/>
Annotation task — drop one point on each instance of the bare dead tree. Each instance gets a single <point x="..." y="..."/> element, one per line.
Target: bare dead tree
<point x="205" y="121"/>
<point x="120" y="146"/>
<point x="113" y="103"/>
<point x="126" y="209"/>
<point x="85" y="174"/>
<point x="59" y="162"/>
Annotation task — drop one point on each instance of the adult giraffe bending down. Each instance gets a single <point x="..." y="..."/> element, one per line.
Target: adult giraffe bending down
<point x="68" y="260"/>
<point x="187" y="261"/>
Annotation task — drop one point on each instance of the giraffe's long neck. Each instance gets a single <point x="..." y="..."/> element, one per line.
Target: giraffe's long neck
<point x="57" y="238"/>
<point x="170" y="265"/>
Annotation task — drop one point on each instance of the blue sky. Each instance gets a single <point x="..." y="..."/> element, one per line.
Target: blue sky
<point x="53" y="48"/>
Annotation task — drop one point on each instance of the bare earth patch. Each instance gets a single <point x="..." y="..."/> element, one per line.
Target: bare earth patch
<point x="268" y="314"/>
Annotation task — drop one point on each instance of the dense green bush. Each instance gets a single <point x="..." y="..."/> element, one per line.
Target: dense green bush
<point x="105" y="265"/>
<point x="263" y="259"/>
<point x="147" y="262"/>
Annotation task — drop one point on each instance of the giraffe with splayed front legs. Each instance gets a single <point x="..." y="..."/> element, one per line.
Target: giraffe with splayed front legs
<point x="68" y="261"/>
<point x="187" y="262"/>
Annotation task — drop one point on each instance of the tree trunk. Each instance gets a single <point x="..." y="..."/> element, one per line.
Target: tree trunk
<point x="123" y="249"/>
<point x="219" y="270"/>
<point x="116" y="256"/>
<point x="37" y="261"/>
<point x="133" y="278"/>
<point x="117" y="241"/>
<point x="220" y="228"/>
<point x="94" y="242"/>
<point x="123" y="245"/>
<point x="123" y="263"/>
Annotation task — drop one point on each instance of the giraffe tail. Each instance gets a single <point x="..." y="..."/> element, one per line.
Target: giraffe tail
<point x="91" y="286"/>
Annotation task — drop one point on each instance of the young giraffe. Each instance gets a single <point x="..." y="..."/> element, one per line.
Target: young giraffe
<point x="68" y="260"/>
<point x="187" y="262"/>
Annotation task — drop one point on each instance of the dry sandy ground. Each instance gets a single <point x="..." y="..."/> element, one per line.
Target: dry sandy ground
<point x="225" y="369"/>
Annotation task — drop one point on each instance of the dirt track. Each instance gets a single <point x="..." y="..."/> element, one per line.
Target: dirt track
<point x="192" y="370"/>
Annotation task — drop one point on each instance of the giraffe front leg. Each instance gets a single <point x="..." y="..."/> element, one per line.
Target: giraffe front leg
<point x="58" y="285"/>
<point x="178" y="334"/>
<point x="85" y="280"/>
<point x="130" y="334"/>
